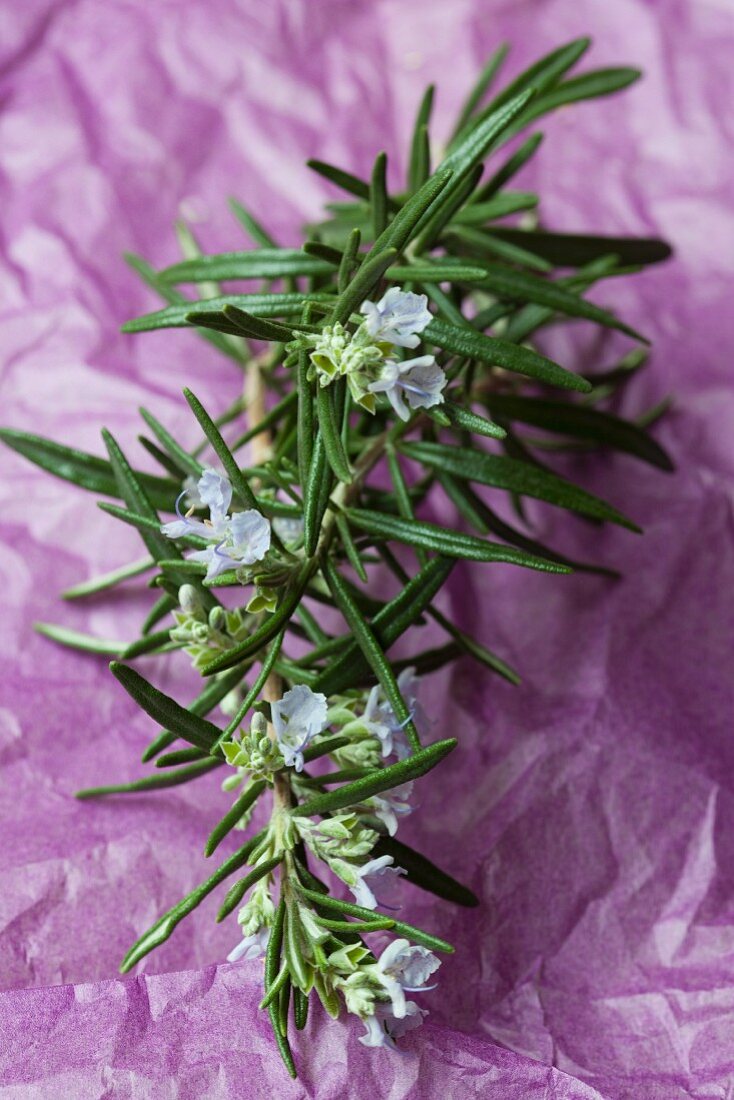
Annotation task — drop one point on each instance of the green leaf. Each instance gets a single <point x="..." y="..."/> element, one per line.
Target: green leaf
<point x="544" y="73"/>
<point x="371" y="650"/>
<point x="166" y="711"/>
<point x="515" y="477"/>
<point x="577" y="249"/>
<point x="489" y="245"/>
<point x="88" y="471"/>
<point x="132" y="490"/>
<point x="251" y="226"/>
<point x="433" y="943"/>
<point x="432" y="225"/>
<point x="186" y="463"/>
<point x="521" y="286"/>
<point x="435" y="272"/>
<point x="222" y="451"/>
<point x="273" y="625"/>
<point x="583" y="423"/>
<point x="255" y="328"/>
<point x="349" y="260"/>
<point x="422" y="872"/>
<point x="485" y="521"/>
<point x="232" y="349"/>
<point x="481" y="87"/>
<point x="378" y="195"/>
<point x="600" y="82"/>
<point x="510" y="168"/>
<point x="501" y="206"/>
<point x="326" y="408"/>
<point x="452" y="544"/>
<point x="350" y="548"/>
<point x="316" y="496"/>
<point x="262" y="263"/>
<point x="501" y="353"/>
<point x="107" y="580"/>
<point x="153" y="782"/>
<point x="345" y="180"/>
<point x="253" y="694"/>
<point x="203" y="704"/>
<point x="181" y="756"/>
<point x="420" y="149"/>
<point x="162" y="929"/>
<point x="421" y="204"/>
<point x="469" y="421"/>
<point x="184" y="314"/>
<point x="74" y="639"/>
<point x="233" y="815"/>
<point x="368" y="275"/>
<point x="473" y="148"/>
<point x="384" y="779"/>
<point x="236" y="892"/>
<point x="464" y="642"/>
<point x="388" y="625"/>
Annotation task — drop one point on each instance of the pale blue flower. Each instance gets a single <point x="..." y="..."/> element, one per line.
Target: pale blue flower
<point x="397" y="318"/>
<point x="401" y="969"/>
<point x="297" y="718"/>
<point x="390" y="805"/>
<point x="241" y="539"/>
<point x="250" y="947"/>
<point x="384" y="1026"/>
<point x="382" y="876"/>
<point x="418" y="381"/>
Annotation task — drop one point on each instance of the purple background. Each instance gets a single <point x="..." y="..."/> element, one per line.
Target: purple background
<point x="592" y="808"/>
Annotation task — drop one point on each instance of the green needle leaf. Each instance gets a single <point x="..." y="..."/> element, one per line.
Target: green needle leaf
<point x="230" y="819"/>
<point x="417" y="935"/>
<point x="576" y="249"/>
<point x="368" y="275"/>
<point x="162" y="929"/>
<point x="74" y="639"/>
<point x="371" y="650"/>
<point x="222" y="451"/>
<point x="262" y="263"/>
<point x="236" y="893"/>
<point x="501" y="353"/>
<point x="583" y="423"/>
<point x="516" y="477"/>
<point x="384" y="779"/>
<point x="87" y="471"/>
<point x="453" y="544"/>
<point x="153" y="782"/>
<point x="166" y="711"/>
<point x="326" y="408"/>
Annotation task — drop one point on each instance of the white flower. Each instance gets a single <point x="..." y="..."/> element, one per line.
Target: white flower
<point x="241" y="539"/>
<point x="384" y="1027"/>
<point x="391" y="805"/>
<point x="380" y="869"/>
<point x="298" y="717"/>
<point x="404" y="969"/>
<point x="397" y="318"/>
<point x="244" y="540"/>
<point x="419" y="381"/>
<point x="408" y="683"/>
<point x="377" y="722"/>
<point x="250" y="947"/>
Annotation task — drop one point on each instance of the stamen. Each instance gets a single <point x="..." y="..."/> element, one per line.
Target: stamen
<point x="179" y="513"/>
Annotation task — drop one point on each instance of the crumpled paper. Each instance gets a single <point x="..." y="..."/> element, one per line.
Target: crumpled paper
<point x="591" y="809"/>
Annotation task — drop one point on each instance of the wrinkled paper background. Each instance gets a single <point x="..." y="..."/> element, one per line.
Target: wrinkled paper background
<point x="592" y="808"/>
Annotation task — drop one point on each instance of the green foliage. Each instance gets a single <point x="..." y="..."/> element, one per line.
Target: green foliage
<point x="318" y="458"/>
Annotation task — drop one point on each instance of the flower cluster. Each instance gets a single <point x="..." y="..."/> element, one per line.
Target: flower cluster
<point x="206" y="635"/>
<point x="366" y="357"/>
<point x="234" y="540"/>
